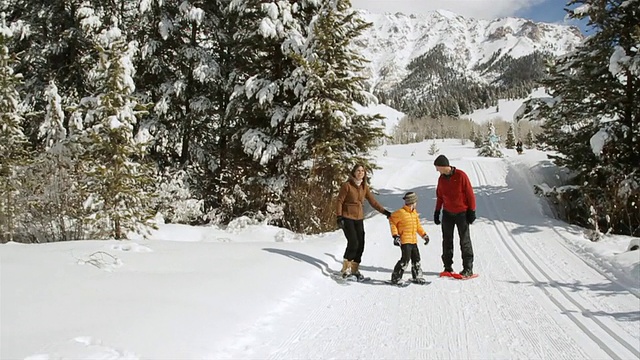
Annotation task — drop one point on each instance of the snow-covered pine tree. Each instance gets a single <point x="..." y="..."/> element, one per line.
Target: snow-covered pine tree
<point x="53" y="208"/>
<point x="490" y="146"/>
<point x="593" y="121"/>
<point x="52" y="130"/>
<point x="270" y="34"/>
<point x="12" y="139"/>
<point x="118" y="178"/>
<point x="187" y="69"/>
<point x="615" y="48"/>
<point x="52" y="47"/>
<point x="330" y="133"/>
<point x="510" y="142"/>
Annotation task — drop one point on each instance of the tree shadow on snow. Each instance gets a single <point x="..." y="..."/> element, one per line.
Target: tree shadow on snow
<point x="326" y="270"/>
<point x="362" y="267"/>
<point x="377" y="269"/>
<point x="321" y="265"/>
<point x="392" y="200"/>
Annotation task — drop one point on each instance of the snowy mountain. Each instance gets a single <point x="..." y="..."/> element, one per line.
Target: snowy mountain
<point x="395" y="40"/>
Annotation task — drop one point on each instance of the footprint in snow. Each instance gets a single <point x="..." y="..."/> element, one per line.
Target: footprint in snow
<point x="131" y="247"/>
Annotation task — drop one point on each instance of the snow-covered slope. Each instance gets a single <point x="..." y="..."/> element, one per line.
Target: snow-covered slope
<point x="391" y="116"/>
<point x="396" y="39"/>
<point x="506" y="109"/>
<point x="259" y="292"/>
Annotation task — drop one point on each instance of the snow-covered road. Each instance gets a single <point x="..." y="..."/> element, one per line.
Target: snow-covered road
<point x="535" y="297"/>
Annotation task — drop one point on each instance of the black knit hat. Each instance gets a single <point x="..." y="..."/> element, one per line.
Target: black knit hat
<point x="441" y="161"/>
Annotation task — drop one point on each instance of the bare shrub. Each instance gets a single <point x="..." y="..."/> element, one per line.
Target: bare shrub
<point x="410" y="130"/>
<point x="52" y="203"/>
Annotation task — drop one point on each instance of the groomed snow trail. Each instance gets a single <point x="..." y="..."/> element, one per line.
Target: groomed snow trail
<point x="535" y="298"/>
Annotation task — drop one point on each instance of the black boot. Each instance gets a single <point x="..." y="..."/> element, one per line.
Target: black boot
<point x="466" y="272"/>
<point x="416" y="271"/>
<point x="398" y="271"/>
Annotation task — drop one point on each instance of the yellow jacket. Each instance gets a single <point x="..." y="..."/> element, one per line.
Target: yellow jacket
<point x="406" y="223"/>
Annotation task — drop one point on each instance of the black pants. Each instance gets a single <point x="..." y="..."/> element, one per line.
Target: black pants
<point x="449" y="220"/>
<point x="409" y="252"/>
<point x="354" y="232"/>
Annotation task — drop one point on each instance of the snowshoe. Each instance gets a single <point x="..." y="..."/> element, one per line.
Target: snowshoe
<point x="420" y="281"/>
<point x="463" y="277"/>
<point x="398" y="283"/>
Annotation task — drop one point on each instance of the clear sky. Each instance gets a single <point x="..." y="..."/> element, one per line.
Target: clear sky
<point x="537" y="10"/>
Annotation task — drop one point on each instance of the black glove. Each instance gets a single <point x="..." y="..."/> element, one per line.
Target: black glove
<point x="426" y="239"/>
<point x="436" y="217"/>
<point x="340" y="222"/>
<point x="471" y="216"/>
<point x="396" y="240"/>
<point x="387" y="213"/>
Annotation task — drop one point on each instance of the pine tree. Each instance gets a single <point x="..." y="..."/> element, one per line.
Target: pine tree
<point x="12" y="139"/>
<point x="433" y="148"/>
<point x="52" y="130"/>
<point x="595" y="91"/>
<point x="491" y="145"/>
<point x="52" y="47"/>
<point x="117" y="177"/>
<point x="332" y="132"/>
<point x="510" y="142"/>
<point x="54" y="208"/>
<point x="300" y="122"/>
<point x="188" y="69"/>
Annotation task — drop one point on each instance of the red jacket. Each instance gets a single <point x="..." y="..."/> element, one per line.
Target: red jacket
<point x="454" y="193"/>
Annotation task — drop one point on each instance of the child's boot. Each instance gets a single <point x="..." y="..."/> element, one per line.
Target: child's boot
<point x="416" y="271"/>
<point x="397" y="273"/>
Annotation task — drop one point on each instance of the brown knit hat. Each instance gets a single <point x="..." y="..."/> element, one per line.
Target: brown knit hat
<point x="441" y="161"/>
<point x="410" y="198"/>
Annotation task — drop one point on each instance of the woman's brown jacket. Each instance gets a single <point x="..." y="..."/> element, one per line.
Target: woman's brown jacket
<point x="350" y="202"/>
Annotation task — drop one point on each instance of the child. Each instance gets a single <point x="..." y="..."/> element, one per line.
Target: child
<point x="404" y="226"/>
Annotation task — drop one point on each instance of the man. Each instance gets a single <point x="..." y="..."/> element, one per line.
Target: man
<point x="455" y="195"/>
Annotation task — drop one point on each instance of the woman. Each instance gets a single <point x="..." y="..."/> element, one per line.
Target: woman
<point x="350" y="212"/>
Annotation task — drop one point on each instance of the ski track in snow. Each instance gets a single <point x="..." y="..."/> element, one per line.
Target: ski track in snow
<point x="572" y="304"/>
<point x="83" y="347"/>
<point x="525" y="304"/>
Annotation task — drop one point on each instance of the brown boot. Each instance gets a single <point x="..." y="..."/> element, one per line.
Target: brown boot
<point x="355" y="270"/>
<point x="346" y="268"/>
